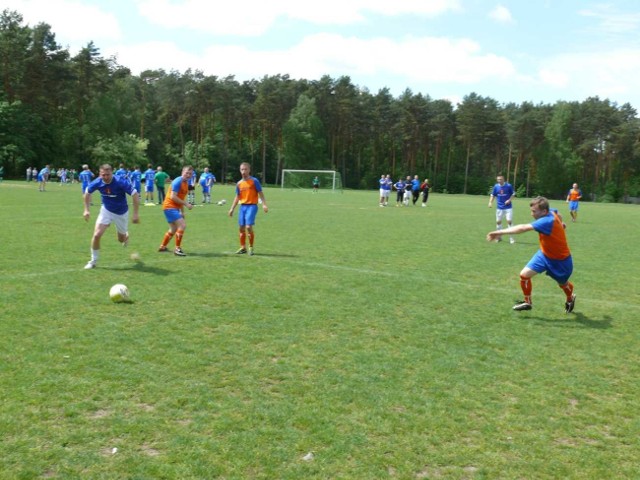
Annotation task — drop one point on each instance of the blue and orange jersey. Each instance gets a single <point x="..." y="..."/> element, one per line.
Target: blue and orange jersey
<point x="553" y="241"/>
<point x="574" y="195"/>
<point x="247" y="191"/>
<point x="181" y="187"/>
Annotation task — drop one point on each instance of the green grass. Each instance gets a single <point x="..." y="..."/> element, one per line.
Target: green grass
<point x="380" y="339"/>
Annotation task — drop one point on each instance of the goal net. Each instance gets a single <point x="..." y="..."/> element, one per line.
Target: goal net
<point x="327" y="179"/>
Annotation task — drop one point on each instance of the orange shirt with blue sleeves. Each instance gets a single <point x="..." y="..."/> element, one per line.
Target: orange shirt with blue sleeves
<point x="181" y="187"/>
<point x="574" y="195"/>
<point x="247" y="191"/>
<point x="553" y="241"/>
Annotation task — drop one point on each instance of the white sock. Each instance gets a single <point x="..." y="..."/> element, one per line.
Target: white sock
<point x="94" y="255"/>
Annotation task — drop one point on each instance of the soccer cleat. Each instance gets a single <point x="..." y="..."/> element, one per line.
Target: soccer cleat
<point x="163" y="249"/>
<point x="179" y="252"/>
<point x="512" y="240"/>
<point x="90" y="264"/>
<point x="126" y="241"/>
<point x="520" y="306"/>
<point x="568" y="306"/>
<point x="241" y="250"/>
<point x="250" y="251"/>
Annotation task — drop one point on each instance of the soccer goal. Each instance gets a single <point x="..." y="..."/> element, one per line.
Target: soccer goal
<point x="328" y="179"/>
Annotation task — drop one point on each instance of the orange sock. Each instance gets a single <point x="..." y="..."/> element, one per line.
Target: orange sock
<point x="179" y="235"/>
<point x="243" y="239"/>
<point x="167" y="238"/>
<point x="251" y="237"/>
<point x="527" y="287"/>
<point x="567" y="288"/>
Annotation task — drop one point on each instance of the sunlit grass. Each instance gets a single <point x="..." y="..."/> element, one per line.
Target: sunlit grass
<point x="381" y="340"/>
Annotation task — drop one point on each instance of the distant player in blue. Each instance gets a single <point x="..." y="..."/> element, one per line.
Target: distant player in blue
<point x="207" y="179"/>
<point x="114" y="209"/>
<point x="505" y="194"/>
<point x="415" y="189"/>
<point x="135" y="178"/>
<point x="148" y="184"/>
<point x="86" y="176"/>
<point x="400" y="187"/>
<point x="43" y="178"/>
<point x="122" y="172"/>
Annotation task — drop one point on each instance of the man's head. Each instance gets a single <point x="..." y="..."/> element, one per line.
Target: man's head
<point x="500" y="179"/>
<point x="539" y="207"/>
<point x="245" y="169"/>
<point x="575" y="186"/>
<point x="187" y="172"/>
<point x="106" y="173"/>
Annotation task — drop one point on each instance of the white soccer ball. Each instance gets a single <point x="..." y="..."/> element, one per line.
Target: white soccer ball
<point x="119" y="293"/>
<point x="222" y="202"/>
<point x="135" y="256"/>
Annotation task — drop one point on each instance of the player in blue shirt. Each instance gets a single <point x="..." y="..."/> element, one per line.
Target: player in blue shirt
<point x="114" y="209"/>
<point x="149" y="173"/>
<point x="86" y="176"/>
<point x="207" y="179"/>
<point x="191" y="196"/>
<point x="135" y="178"/>
<point x="43" y="178"/>
<point x="400" y="187"/>
<point x="505" y="194"/>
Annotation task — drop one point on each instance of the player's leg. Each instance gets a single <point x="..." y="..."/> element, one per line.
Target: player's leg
<point x="527" y="287"/>
<point x="509" y="216"/>
<point x="98" y="231"/>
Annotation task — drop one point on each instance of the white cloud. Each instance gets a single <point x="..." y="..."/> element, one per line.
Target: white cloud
<point x="501" y="14"/>
<point x="79" y="22"/>
<point x="255" y="17"/>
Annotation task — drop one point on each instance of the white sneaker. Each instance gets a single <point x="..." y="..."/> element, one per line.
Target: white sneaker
<point x="512" y="240"/>
<point x="424" y="204"/>
<point x="90" y="264"/>
<point x="126" y="241"/>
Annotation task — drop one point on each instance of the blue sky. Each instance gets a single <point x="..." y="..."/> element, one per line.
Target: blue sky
<point x="540" y="51"/>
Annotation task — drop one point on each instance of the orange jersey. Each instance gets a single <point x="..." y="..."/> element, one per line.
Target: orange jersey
<point x="574" y="195"/>
<point x="247" y="191"/>
<point x="553" y="241"/>
<point x="181" y="187"/>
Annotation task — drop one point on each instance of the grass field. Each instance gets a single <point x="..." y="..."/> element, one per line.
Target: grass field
<point x="380" y="340"/>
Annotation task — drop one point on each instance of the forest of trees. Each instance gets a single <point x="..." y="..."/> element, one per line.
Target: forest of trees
<point x="68" y="110"/>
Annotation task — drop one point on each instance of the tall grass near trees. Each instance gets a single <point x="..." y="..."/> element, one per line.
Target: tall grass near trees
<point x="380" y="340"/>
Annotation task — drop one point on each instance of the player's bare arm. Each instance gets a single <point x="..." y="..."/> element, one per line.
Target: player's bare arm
<point x="516" y="229"/>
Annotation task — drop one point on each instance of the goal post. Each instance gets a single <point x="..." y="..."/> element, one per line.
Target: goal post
<point x="328" y="179"/>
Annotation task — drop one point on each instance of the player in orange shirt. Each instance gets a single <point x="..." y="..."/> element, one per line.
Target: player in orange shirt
<point x="554" y="256"/>
<point x="248" y="193"/>
<point x="173" y="207"/>
<point x="573" y="199"/>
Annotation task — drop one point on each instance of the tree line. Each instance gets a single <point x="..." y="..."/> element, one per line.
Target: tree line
<point x="68" y="110"/>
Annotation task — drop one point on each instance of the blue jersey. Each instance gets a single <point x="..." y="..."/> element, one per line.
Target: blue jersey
<point x="114" y="194"/>
<point x="85" y="176"/>
<point x="400" y="186"/>
<point x="192" y="180"/>
<point x="503" y="193"/>
<point x="135" y="178"/>
<point x="415" y="185"/>
<point x="121" y="172"/>
<point x="148" y="177"/>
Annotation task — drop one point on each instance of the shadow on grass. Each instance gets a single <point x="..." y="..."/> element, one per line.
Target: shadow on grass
<point x="142" y="268"/>
<point x="578" y="319"/>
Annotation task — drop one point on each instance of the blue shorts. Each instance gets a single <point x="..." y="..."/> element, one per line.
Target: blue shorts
<point x="173" y="214"/>
<point x="559" y="270"/>
<point x="573" y="205"/>
<point x="148" y="187"/>
<point x="247" y="214"/>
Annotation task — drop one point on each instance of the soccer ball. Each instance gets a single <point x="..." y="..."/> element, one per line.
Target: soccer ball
<point x="222" y="202"/>
<point x="119" y="293"/>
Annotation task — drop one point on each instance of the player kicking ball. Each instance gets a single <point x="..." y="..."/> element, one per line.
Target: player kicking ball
<point x="554" y="256"/>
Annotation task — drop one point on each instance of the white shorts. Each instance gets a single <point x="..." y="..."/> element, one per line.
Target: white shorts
<point x="120" y="221"/>
<point x="507" y="212"/>
<point x="384" y="193"/>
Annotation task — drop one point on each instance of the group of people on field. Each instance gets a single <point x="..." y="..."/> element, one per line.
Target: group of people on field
<point x="554" y="257"/>
<point x="114" y="189"/>
<point x="408" y="190"/>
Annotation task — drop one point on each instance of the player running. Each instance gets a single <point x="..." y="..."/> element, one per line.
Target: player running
<point x="173" y="207"/>
<point x="554" y="256"/>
